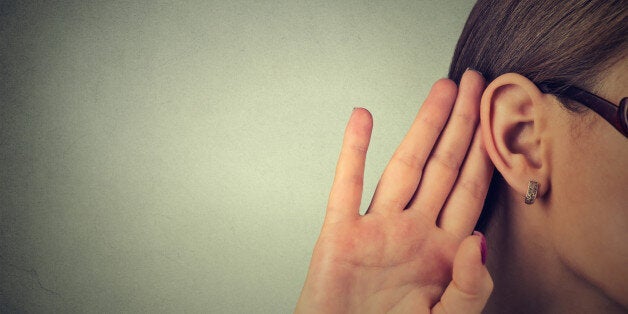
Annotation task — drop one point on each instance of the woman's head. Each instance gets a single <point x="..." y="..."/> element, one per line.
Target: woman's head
<point x="568" y="42"/>
<point x="579" y="159"/>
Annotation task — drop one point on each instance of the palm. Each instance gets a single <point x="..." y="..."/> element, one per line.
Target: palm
<point x="399" y="256"/>
<point x="385" y="263"/>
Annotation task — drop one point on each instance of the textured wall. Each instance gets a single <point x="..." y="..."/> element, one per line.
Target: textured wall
<point x="176" y="156"/>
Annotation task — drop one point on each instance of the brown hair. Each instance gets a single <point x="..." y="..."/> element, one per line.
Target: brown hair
<point x="556" y="42"/>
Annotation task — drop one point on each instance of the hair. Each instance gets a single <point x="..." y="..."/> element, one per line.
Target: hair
<point x="569" y="42"/>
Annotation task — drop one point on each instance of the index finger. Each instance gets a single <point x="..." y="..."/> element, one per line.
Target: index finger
<point x="346" y="191"/>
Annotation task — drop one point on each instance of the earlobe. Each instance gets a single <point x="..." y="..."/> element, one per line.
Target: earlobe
<point x="513" y="125"/>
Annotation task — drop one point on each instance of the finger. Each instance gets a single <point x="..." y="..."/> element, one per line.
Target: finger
<point x="346" y="191"/>
<point x="465" y="202"/>
<point x="402" y="174"/>
<point x="444" y="163"/>
<point x="471" y="285"/>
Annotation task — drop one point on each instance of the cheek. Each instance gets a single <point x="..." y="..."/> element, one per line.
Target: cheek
<point x="589" y="213"/>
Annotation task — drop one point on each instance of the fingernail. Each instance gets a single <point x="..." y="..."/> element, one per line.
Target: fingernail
<point x="474" y="70"/>
<point x="482" y="245"/>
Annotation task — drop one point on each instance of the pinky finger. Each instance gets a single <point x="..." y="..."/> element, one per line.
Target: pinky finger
<point x="346" y="191"/>
<point x="471" y="285"/>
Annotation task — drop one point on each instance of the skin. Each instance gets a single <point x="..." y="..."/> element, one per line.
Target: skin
<point x="410" y="253"/>
<point x="566" y="253"/>
<point x="413" y="251"/>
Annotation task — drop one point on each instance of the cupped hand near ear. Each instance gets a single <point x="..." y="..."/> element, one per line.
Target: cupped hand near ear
<point x="412" y="252"/>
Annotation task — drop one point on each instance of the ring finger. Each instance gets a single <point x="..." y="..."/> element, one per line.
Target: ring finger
<point x="444" y="163"/>
<point x="403" y="172"/>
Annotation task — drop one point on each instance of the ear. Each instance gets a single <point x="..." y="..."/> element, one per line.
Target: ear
<point x="513" y="127"/>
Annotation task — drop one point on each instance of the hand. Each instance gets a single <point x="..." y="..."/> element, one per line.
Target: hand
<point x="412" y="251"/>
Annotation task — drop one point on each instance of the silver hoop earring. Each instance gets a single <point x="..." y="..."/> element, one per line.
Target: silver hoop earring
<point x="533" y="189"/>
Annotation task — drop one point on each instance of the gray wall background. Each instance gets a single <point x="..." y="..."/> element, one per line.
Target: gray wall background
<point x="170" y="156"/>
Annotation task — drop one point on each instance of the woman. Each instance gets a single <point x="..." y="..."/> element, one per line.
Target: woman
<point x="556" y="211"/>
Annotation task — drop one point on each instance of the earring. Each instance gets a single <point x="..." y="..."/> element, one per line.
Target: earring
<point x="533" y="189"/>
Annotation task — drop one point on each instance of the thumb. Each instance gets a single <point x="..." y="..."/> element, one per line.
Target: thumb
<point x="471" y="284"/>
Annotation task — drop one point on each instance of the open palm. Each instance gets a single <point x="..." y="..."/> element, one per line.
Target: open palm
<point x="412" y="251"/>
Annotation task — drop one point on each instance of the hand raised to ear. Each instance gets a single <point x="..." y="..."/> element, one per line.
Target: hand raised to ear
<point x="412" y="251"/>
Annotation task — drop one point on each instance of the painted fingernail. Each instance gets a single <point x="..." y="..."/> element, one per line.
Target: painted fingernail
<point x="482" y="245"/>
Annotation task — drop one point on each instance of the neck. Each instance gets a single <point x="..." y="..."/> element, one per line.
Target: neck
<point x="529" y="274"/>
